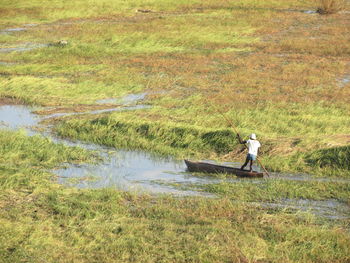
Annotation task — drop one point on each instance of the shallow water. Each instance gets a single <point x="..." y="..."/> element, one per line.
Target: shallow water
<point x="17" y="117"/>
<point x="22" y="47"/>
<point x="345" y="80"/>
<point x="10" y="30"/>
<point x="128" y="99"/>
<point x="132" y="171"/>
<point x="135" y="171"/>
<point x="143" y="172"/>
<point x="127" y="170"/>
<point x="3" y="63"/>
<point x="17" y="29"/>
<point x="310" y="12"/>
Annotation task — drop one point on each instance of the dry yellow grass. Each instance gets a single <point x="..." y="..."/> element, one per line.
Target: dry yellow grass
<point x="331" y="6"/>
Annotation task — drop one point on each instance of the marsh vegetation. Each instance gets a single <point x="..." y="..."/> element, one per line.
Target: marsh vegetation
<point x="331" y="6"/>
<point x="272" y="66"/>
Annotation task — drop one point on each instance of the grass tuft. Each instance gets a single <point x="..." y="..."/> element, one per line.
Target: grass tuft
<point x="328" y="7"/>
<point x="336" y="157"/>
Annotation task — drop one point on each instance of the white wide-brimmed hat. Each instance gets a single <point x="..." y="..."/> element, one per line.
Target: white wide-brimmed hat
<point x="253" y="136"/>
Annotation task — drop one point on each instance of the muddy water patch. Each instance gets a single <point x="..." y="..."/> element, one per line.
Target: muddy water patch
<point x="126" y="103"/>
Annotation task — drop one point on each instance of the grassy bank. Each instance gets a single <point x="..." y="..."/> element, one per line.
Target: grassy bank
<point x="159" y="137"/>
<point x="26" y="160"/>
<point x="275" y="190"/>
<point x="42" y="221"/>
<point x="293" y="154"/>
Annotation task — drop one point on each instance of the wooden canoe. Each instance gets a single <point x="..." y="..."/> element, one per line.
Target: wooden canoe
<point x="214" y="168"/>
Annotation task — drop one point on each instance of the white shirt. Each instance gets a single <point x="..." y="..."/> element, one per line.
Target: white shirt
<point x="253" y="146"/>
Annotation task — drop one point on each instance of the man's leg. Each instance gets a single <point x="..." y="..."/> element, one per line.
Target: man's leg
<point x="245" y="164"/>
<point x="251" y="165"/>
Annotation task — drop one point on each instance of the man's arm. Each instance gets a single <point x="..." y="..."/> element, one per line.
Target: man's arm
<point x="240" y="140"/>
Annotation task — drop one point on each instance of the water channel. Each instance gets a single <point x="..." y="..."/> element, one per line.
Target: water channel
<point x="127" y="170"/>
<point x="143" y="172"/>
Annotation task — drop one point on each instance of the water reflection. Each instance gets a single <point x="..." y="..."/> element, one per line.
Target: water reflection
<point x="17" y="117"/>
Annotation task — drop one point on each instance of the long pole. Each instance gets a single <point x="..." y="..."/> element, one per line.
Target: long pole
<point x="239" y="137"/>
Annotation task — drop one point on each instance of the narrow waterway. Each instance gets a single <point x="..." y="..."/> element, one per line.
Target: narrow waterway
<point x="143" y="172"/>
<point x="135" y="171"/>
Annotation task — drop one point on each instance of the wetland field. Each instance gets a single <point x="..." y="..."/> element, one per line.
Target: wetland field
<point x="101" y="100"/>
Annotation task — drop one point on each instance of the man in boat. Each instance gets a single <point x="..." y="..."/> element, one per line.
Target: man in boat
<point x="253" y="145"/>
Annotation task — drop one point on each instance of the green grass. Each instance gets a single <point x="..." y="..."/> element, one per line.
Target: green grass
<point x="163" y="138"/>
<point x="58" y="90"/>
<point x="42" y="221"/>
<point x="104" y="225"/>
<point x="278" y="189"/>
<point x="18" y="150"/>
<point x="20" y="11"/>
<point x="337" y="157"/>
<point x="26" y="160"/>
<point x="270" y="67"/>
<point x="292" y="149"/>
